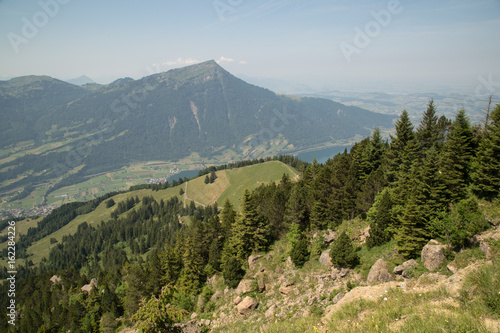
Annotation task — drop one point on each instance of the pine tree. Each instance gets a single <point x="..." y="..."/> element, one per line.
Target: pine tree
<point x="428" y="131"/>
<point x="297" y="210"/>
<point x="342" y="253"/>
<point x="249" y="233"/>
<point x="381" y="220"/>
<point x="486" y="166"/>
<point x="456" y="157"/>
<point x="191" y="276"/>
<point x="399" y="158"/>
<point x="228" y="218"/>
<point x="412" y="235"/>
<point x="233" y="272"/>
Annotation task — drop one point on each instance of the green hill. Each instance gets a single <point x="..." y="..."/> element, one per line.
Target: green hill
<point x="229" y="184"/>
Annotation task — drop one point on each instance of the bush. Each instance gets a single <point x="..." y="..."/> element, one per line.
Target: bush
<point x="110" y="203"/>
<point x="460" y="224"/>
<point x="300" y="253"/>
<point x="343" y="253"/>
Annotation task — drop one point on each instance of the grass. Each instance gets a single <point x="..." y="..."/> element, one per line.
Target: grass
<point x="252" y="177"/>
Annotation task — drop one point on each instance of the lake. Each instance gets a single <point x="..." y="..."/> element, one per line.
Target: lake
<point x="322" y="155"/>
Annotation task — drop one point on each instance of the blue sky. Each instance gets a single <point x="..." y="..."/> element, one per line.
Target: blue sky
<point x="313" y="42"/>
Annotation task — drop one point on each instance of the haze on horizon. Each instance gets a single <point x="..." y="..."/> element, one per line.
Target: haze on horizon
<point x="320" y="43"/>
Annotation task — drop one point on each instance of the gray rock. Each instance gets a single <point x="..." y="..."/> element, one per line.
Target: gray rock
<point x="247" y="305"/>
<point x="379" y="273"/>
<point x="433" y="255"/>
<point x="325" y="259"/>
<point x="405" y="267"/>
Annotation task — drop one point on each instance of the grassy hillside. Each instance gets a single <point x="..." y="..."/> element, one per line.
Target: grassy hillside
<point x="229" y="184"/>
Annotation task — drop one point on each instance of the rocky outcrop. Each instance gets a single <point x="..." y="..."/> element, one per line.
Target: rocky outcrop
<point x="246" y="286"/>
<point x="405" y="268"/>
<point x="329" y="236"/>
<point x="247" y="305"/>
<point x="55" y="279"/>
<point x="88" y="287"/>
<point x="433" y="255"/>
<point x="379" y="273"/>
<point x="325" y="259"/>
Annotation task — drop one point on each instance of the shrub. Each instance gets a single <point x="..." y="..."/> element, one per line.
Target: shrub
<point x="300" y="253"/>
<point x="232" y="272"/>
<point x="343" y="253"/>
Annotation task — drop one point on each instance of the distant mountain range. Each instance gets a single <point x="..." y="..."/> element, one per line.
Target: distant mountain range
<point x="50" y="127"/>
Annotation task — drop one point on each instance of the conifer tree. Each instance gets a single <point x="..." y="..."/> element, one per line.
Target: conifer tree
<point x="249" y="233"/>
<point x="412" y="235"/>
<point x="342" y="253"/>
<point x="191" y="276"/>
<point x="486" y="174"/>
<point x="300" y="252"/>
<point x="399" y="157"/>
<point x="297" y="210"/>
<point x="428" y="131"/>
<point x="456" y="157"/>
<point x="228" y="218"/>
<point x="381" y="220"/>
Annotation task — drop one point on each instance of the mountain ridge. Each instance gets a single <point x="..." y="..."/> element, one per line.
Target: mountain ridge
<point x="200" y="109"/>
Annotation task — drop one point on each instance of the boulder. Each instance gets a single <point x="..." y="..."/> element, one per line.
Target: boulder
<point x="245" y="286"/>
<point x="253" y="258"/>
<point x="325" y="259"/>
<point x="433" y="255"/>
<point x="247" y="305"/>
<point x="237" y="300"/>
<point x="379" y="273"/>
<point x="405" y="268"/>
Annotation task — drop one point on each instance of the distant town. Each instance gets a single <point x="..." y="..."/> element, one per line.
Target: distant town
<point x="27" y="212"/>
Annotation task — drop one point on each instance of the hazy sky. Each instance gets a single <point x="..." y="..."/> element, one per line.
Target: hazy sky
<point x="317" y="42"/>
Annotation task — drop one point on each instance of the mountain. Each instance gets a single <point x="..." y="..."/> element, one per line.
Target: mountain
<point x="199" y="109"/>
<point x="81" y="80"/>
